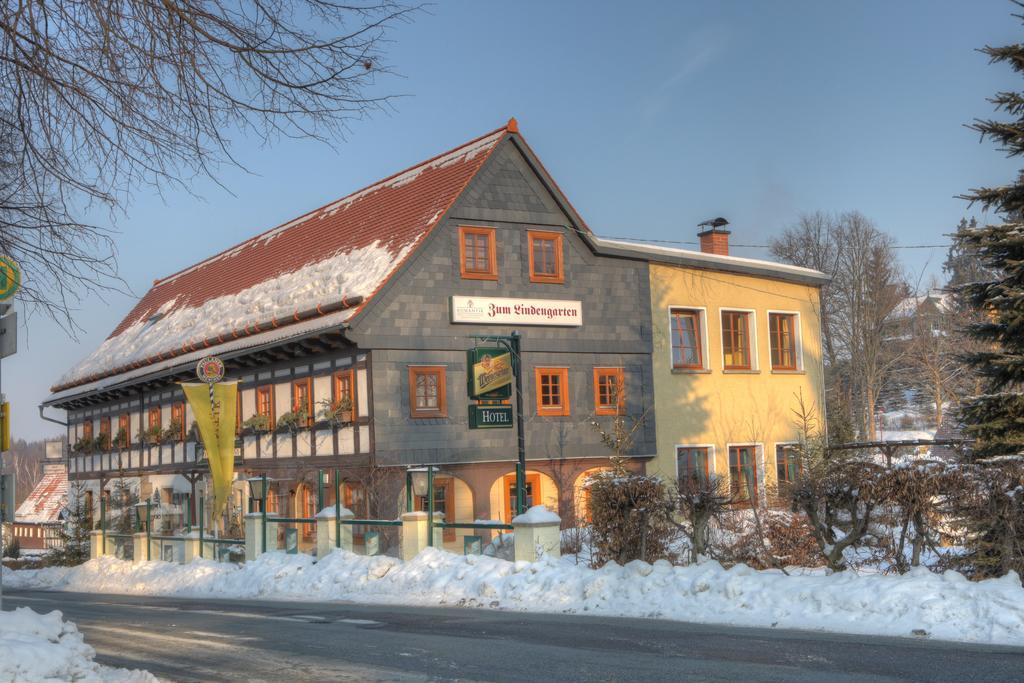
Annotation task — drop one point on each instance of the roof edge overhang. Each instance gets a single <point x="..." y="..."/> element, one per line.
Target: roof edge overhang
<point x="703" y="261"/>
<point x="185" y="364"/>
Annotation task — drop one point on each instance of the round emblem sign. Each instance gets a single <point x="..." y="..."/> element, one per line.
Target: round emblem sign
<point x="10" y="277"/>
<point x="210" y="369"/>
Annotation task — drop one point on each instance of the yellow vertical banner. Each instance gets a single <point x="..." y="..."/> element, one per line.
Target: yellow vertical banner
<point x="214" y="408"/>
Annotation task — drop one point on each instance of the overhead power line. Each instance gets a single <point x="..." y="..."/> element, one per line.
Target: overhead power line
<point x="733" y="244"/>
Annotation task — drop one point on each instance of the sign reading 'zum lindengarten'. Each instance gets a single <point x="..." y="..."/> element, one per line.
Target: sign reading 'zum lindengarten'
<point x="496" y="311"/>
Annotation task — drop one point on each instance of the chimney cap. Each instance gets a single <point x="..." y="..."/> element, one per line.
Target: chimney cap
<point x="713" y="225"/>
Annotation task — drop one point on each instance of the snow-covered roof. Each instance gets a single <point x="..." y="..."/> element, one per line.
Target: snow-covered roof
<point x="342" y="252"/>
<point x="909" y="306"/>
<point x="700" y="259"/>
<point x="45" y="503"/>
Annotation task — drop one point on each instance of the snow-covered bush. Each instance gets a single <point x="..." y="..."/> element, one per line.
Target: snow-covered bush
<point x="630" y="517"/>
<point x="699" y="502"/>
<point x="989" y="508"/>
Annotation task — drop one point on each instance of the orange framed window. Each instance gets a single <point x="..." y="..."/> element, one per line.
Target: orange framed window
<point x="345" y="389"/>
<point x="782" y="337"/>
<point x="736" y="340"/>
<point x="178" y="418"/>
<point x="302" y="397"/>
<point x="427" y="392"/>
<point x="478" y="259"/>
<point x="105" y="431"/>
<point x="545" y="256"/>
<point x="552" y="391"/>
<point x="743" y="473"/>
<point x="687" y="339"/>
<point x="609" y="391"/>
<point x="272" y="500"/>
<point x="125" y="430"/>
<point x="265" y="403"/>
<point x="154" y="418"/>
<point x="87" y="429"/>
<point x="693" y="462"/>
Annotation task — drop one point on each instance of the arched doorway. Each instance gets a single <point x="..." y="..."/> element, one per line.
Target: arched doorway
<point x="453" y="498"/>
<point x="540" y="490"/>
<point x="581" y="493"/>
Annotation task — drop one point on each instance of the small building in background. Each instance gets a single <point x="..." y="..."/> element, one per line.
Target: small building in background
<point x="37" y="520"/>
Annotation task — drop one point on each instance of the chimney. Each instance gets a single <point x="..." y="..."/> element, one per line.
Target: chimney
<point x="714" y="238"/>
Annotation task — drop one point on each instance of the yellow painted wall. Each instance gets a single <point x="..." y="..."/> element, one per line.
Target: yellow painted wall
<point x="717" y="407"/>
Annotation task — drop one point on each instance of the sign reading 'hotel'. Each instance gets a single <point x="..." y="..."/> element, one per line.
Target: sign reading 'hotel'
<point x="497" y="311"/>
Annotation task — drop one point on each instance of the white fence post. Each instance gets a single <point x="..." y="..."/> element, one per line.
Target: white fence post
<point x="537" y="534"/>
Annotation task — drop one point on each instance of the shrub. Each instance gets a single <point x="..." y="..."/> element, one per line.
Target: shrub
<point x="989" y="506"/>
<point x="699" y="503"/>
<point x="630" y="517"/>
<point x="13" y="549"/>
<point x="841" y="495"/>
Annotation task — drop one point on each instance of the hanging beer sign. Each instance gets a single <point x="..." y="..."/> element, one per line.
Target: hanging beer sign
<point x="490" y="373"/>
<point x="210" y="370"/>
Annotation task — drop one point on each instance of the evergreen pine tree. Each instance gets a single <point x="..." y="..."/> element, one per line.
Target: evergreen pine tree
<point x="962" y="265"/>
<point x="74" y="532"/>
<point x="996" y="418"/>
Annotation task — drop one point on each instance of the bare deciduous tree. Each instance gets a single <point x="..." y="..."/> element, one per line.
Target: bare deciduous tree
<point x="867" y="284"/>
<point x="99" y="98"/>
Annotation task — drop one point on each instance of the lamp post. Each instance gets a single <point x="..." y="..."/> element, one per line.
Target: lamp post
<point x="419" y="481"/>
<point x="258" y="491"/>
<point x="512" y="342"/>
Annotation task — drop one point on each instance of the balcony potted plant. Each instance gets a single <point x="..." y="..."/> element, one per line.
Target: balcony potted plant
<point x="257" y="424"/>
<point x="85" y="446"/>
<point x="172" y="433"/>
<point x="293" y="421"/>
<point x="336" y="412"/>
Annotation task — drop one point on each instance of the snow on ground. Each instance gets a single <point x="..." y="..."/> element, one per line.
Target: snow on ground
<point x="44" y="647"/>
<point x="944" y="606"/>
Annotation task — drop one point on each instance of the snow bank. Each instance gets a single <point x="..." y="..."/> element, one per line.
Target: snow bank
<point x="44" y="647"/>
<point x="945" y="606"/>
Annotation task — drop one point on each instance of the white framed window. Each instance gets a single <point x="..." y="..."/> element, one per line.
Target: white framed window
<point x="688" y="338"/>
<point x="694" y="460"/>
<point x="739" y="339"/>
<point x="746" y="471"/>
<point x="787" y="463"/>
<point x="785" y="341"/>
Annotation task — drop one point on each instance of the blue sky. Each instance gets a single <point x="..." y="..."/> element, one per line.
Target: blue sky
<point x="651" y="116"/>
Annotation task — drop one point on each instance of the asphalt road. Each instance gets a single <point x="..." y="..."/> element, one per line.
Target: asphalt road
<point x="224" y="640"/>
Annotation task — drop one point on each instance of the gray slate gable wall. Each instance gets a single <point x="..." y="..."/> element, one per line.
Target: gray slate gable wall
<point x="408" y="323"/>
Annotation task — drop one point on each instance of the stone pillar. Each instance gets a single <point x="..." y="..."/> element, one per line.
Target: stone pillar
<point x="414" y="533"/>
<point x="537" y="534"/>
<point x="272" y="525"/>
<point x="191" y="543"/>
<point x="253" y="536"/>
<point x="96" y="548"/>
<point x="139" y="542"/>
<point x="325" y="531"/>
